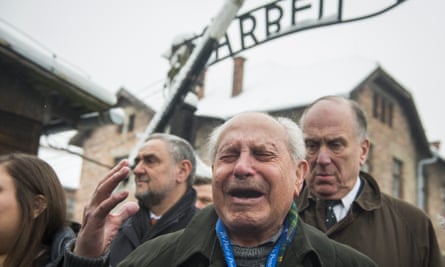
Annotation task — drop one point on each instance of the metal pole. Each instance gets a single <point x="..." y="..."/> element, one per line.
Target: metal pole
<point x="191" y="70"/>
<point x="421" y="179"/>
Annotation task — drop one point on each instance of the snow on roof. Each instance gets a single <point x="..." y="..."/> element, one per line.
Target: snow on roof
<point x="274" y="86"/>
<point x="33" y="51"/>
<point x="202" y="169"/>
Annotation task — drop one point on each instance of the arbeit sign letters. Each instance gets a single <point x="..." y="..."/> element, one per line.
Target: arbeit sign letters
<point x="284" y="17"/>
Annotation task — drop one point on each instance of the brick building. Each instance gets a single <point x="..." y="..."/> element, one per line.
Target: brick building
<point x="108" y="145"/>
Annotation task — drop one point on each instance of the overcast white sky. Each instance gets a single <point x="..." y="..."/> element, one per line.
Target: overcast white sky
<point x="119" y="43"/>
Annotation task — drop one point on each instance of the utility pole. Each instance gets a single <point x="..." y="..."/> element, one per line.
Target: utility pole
<point x="188" y="74"/>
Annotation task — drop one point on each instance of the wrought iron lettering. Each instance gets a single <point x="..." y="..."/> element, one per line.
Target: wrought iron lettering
<point x="283" y="17"/>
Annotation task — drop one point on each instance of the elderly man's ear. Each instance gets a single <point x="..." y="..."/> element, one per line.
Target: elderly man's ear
<point x="40" y="204"/>
<point x="302" y="170"/>
<point x="183" y="170"/>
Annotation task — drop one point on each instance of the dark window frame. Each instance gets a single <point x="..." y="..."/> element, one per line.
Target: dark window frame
<point x="397" y="178"/>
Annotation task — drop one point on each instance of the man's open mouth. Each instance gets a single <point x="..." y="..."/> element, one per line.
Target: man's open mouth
<point x="245" y="193"/>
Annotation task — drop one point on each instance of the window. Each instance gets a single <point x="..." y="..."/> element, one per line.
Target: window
<point x="382" y="109"/>
<point x="131" y="119"/>
<point x="397" y="178"/>
<point x="375" y="105"/>
<point x="128" y="125"/>
<point x="390" y="111"/>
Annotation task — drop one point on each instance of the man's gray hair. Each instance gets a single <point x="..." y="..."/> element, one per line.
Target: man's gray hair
<point x="295" y="142"/>
<point x="179" y="150"/>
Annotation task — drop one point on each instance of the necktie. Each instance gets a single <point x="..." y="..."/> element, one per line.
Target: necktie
<point x="153" y="221"/>
<point x="330" y="219"/>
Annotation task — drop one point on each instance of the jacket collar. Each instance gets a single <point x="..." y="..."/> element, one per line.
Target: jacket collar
<point x="368" y="199"/>
<point x="200" y="238"/>
<point x="302" y="247"/>
<point x="182" y="206"/>
<point x="136" y="228"/>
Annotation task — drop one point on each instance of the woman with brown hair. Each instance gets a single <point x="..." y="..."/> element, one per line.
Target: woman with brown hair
<point x="33" y="222"/>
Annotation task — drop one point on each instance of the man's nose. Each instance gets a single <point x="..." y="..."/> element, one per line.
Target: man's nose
<point x="243" y="167"/>
<point x="323" y="156"/>
<point x="138" y="168"/>
<point x="199" y="204"/>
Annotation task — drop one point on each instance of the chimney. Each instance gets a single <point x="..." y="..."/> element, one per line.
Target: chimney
<point x="238" y="73"/>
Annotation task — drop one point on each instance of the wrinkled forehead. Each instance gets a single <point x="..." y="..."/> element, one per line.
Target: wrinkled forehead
<point x="329" y="110"/>
<point x="253" y="129"/>
<point x="154" y="146"/>
<point x="330" y="118"/>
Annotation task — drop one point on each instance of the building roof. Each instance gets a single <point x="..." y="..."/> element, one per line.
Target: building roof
<point x="73" y="93"/>
<point x="276" y="87"/>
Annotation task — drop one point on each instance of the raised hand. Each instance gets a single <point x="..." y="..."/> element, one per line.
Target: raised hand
<point x="99" y="226"/>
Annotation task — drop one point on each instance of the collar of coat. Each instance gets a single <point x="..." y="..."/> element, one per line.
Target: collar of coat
<point x="200" y="238"/>
<point x="368" y="199"/>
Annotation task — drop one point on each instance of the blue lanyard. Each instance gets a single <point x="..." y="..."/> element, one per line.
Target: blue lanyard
<point x="227" y="246"/>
